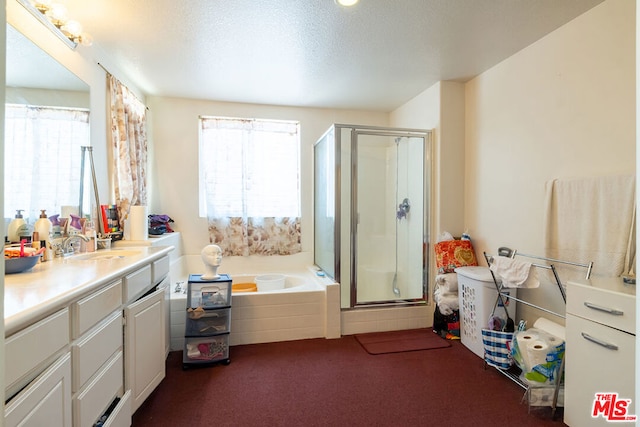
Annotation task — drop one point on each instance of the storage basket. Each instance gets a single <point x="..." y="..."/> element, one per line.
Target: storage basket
<point x="497" y="348"/>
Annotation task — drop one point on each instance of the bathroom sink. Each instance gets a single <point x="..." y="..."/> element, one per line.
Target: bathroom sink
<point x="107" y="254"/>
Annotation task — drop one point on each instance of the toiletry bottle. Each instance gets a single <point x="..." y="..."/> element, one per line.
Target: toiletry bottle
<point x="15" y="227"/>
<point x="89" y="230"/>
<point x="43" y="226"/>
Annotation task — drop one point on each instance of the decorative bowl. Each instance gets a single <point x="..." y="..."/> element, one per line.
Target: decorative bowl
<point x="19" y="265"/>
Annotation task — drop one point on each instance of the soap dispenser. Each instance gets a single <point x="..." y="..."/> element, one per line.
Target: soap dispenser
<point x="15" y="226"/>
<point x="43" y="226"/>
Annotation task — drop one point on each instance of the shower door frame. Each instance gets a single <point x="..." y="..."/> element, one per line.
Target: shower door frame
<point x="426" y="185"/>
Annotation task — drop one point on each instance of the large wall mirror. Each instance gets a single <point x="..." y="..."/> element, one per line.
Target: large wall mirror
<point x="47" y="121"/>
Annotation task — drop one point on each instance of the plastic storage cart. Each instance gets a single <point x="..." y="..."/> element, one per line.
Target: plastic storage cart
<point x="477" y="296"/>
<point x="208" y="321"/>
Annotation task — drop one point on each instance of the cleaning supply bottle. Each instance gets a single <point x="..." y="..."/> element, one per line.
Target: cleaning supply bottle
<point x="16" y="226"/>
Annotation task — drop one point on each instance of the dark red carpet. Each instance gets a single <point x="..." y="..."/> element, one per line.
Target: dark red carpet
<point x="322" y="382"/>
<point x="401" y="341"/>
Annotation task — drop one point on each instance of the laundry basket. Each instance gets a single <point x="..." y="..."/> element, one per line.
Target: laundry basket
<point x="497" y="348"/>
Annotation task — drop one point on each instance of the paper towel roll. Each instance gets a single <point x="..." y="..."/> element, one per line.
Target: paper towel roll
<point x="139" y="222"/>
<point x="550" y="327"/>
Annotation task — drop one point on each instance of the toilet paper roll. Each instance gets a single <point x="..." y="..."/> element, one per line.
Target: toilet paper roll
<point x="550" y="327"/>
<point x="524" y="341"/>
<point x="139" y="222"/>
<point x="537" y="352"/>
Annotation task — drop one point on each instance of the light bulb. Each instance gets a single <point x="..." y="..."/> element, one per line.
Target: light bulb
<point x="71" y="29"/>
<point x="85" y="39"/>
<point x="346" y="3"/>
<point x="57" y="14"/>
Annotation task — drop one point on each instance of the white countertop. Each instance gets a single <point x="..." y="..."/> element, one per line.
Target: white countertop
<point x="52" y="285"/>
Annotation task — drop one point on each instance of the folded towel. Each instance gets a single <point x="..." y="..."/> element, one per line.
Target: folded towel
<point x="447" y="301"/>
<point x="514" y="273"/>
<point x="448" y="281"/>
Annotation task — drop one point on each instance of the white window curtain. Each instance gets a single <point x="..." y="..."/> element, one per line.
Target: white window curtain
<point x="43" y="156"/>
<point x="249" y="171"/>
<point x="129" y="144"/>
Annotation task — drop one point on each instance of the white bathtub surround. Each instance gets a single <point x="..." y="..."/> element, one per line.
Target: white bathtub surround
<point x="308" y="306"/>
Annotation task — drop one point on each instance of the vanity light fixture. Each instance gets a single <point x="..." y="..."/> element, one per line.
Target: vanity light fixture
<point x="54" y="16"/>
<point x="346" y="3"/>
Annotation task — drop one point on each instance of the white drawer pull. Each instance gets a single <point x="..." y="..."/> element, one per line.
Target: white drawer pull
<point x="605" y="309"/>
<point x="604" y="344"/>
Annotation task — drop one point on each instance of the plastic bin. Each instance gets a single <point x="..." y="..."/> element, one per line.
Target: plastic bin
<point x="209" y="294"/>
<point x="477" y="296"/>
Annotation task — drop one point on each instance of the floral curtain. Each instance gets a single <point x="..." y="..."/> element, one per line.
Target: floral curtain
<point x="238" y="236"/>
<point x="250" y="177"/>
<point x="129" y="144"/>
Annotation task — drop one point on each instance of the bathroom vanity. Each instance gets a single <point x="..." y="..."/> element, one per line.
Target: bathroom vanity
<point x="600" y="355"/>
<point x="85" y="337"/>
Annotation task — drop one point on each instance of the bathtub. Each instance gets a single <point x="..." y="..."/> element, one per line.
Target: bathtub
<point x="307" y="307"/>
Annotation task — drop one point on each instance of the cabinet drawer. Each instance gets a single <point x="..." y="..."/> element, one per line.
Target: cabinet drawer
<point x="208" y="322"/>
<point x="90" y="310"/>
<point x="92" y="351"/>
<point x="89" y="405"/>
<point x="594" y="368"/>
<point x="206" y="349"/>
<point x="121" y="415"/>
<point x="46" y="401"/>
<point x="602" y="306"/>
<point x="27" y="349"/>
<point x="137" y="283"/>
<point x="159" y="269"/>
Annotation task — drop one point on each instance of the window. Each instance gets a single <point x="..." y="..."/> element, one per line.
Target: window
<point x="42" y="151"/>
<point x="249" y="184"/>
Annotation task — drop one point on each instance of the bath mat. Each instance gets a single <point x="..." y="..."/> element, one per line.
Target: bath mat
<point x="401" y="341"/>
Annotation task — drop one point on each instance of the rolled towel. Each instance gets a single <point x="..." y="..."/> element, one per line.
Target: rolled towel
<point x="448" y="281"/>
<point x="514" y="273"/>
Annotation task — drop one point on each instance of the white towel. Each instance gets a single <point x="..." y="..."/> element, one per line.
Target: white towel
<point x="448" y="281"/>
<point x="591" y="219"/>
<point x="515" y="273"/>
<point x="447" y="301"/>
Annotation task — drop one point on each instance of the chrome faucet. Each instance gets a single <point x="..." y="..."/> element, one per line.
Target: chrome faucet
<point x="66" y="248"/>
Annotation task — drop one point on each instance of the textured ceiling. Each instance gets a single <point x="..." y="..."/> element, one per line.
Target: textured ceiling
<point x="374" y="56"/>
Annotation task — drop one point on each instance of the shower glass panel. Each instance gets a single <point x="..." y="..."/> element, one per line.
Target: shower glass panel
<point x="324" y="206"/>
<point x="389" y="217"/>
<point x="371" y="203"/>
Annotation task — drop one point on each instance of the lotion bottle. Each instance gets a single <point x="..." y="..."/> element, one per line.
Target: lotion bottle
<point x="43" y="228"/>
<point x="15" y="226"/>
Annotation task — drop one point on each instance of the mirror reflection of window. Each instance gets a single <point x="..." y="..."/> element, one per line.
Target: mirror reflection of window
<point x="42" y="149"/>
<point x="39" y="86"/>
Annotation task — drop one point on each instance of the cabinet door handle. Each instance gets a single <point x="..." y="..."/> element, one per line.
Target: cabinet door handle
<point x="604" y="344"/>
<point x="605" y="309"/>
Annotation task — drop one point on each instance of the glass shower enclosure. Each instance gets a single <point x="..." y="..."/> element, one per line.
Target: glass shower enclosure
<point x="371" y="213"/>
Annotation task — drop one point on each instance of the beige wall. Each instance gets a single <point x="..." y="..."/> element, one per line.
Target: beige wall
<point x="562" y="107"/>
<point x="174" y="126"/>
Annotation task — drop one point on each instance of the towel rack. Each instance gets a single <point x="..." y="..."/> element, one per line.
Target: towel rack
<point x="504" y="251"/>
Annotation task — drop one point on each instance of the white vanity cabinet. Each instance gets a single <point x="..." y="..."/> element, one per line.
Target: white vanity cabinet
<point x="600" y="355"/>
<point x="94" y="349"/>
<point x="97" y="357"/>
<point x="38" y="374"/>
<point x="145" y="331"/>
